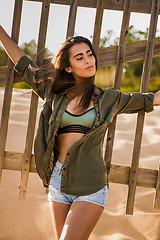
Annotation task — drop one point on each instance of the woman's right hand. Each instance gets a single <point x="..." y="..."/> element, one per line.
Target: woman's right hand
<point x="12" y="49"/>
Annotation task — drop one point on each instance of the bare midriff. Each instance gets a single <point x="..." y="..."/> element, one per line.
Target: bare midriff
<point x="65" y="140"/>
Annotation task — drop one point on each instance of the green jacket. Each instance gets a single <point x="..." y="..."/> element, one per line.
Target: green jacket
<point x="84" y="170"/>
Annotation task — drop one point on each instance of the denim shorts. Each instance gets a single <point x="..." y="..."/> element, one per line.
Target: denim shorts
<point x="54" y="194"/>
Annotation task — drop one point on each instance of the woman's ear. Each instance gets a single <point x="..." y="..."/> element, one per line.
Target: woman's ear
<point x="68" y="70"/>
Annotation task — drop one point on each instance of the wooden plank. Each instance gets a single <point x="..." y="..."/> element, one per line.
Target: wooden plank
<point x="34" y="104"/>
<point x="118" y="174"/>
<point x="108" y="56"/>
<point x="3" y="76"/>
<point x="140" y="119"/>
<point x="118" y="77"/>
<point x="9" y="84"/>
<point x="14" y="161"/>
<point x="122" y="43"/>
<point x="72" y="18"/>
<point x="98" y="25"/>
<point x="143" y="6"/>
<point x="157" y="193"/>
<point x="134" y="51"/>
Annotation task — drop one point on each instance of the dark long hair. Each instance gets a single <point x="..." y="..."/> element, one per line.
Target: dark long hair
<point x="64" y="82"/>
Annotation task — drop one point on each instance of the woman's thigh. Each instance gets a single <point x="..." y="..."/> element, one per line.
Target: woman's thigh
<point x="59" y="213"/>
<point x="80" y="221"/>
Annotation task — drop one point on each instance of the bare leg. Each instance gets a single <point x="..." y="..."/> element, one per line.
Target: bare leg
<point x="81" y="220"/>
<point x="59" y="212"/>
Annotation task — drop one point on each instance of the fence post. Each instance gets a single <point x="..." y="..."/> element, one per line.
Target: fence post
<point x="141" y="115"/>
<point x="9" y="84"/>
<point x="34" y="104"/>
<point x="118" y="77"/>
<point x="98" y="25"/>
<point x="72" y="18"/>
<point x="157" y="193"/>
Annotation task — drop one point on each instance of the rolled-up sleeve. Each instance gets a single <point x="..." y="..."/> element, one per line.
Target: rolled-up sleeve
<point x="33" y="76"/>
<point x="135" y="102"/>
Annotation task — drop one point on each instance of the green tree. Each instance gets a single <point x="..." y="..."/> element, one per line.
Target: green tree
<point x="30" y="49"/>
<point x="133" y="70"/>
<point x="3" y="57"/>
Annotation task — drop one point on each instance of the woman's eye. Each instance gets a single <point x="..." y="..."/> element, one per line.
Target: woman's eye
<point x="79" y="58"/>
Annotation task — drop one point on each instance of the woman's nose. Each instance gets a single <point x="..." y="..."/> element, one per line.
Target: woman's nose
<point x="86" y="59"/>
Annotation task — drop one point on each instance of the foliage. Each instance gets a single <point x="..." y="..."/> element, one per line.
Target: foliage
<point x="132" y="71"/>
<point x="3" y="57"/>
<point x="135" y="35"/>
<point x="108" y="40"/>
<point x="30" y="49"/>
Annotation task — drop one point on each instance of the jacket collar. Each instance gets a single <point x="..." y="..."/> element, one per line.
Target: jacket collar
<point x="97" y="91"/>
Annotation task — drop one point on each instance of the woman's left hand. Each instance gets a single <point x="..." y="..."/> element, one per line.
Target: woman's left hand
<point x="156" y="101"/>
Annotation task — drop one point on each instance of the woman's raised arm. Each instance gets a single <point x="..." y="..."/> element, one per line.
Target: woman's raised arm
<point x="12" y="49"/>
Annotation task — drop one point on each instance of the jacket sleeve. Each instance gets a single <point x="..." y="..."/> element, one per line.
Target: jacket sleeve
<point x="134" y="102"/>
<point x="33" y="77"/>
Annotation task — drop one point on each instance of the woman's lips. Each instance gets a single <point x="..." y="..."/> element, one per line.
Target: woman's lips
<point x="88" y="68"/>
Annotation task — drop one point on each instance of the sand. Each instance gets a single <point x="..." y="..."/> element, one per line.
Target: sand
<point x="31" y="220"/>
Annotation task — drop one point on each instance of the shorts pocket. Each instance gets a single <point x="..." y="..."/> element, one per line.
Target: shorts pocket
<point x="55" y="181"/>
<point x="105" y="194"/>
<point x="53" y="190"/>
<point x="56" y="171"/>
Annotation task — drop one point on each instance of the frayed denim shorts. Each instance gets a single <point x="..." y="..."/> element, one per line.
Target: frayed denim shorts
<point x="100" y="197"/>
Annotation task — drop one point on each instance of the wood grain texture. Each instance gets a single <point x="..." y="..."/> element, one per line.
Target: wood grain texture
<point x="9" y="84"/>
<point x="143" y="6"/>
<point x="134" y="51"/>
<point x="72" y="18"/>
<point x="132" y="176"/>
<point x="34" y="104"/>
<point x="118" y="174"/>
<point x="122" y="43"/>
<point x="14" y="161"/>
<point x="98" y="25"/>
<point x="107" y="57"/>
<point x="3" y="76"/>
<point x="157" y="192"/>
<point x="141" y="115"/>
<point x="118" y="76"/>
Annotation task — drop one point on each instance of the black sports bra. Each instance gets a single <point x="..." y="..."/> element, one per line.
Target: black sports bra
<point x="81" y="123"/>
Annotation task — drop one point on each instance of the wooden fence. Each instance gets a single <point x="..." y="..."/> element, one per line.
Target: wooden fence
<point x="125" y="52"/>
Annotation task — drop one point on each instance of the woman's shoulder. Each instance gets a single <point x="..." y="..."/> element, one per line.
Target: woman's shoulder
<point x="103" y="92"/>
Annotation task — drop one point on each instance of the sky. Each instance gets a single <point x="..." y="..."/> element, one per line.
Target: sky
<point x="58" y="19"/>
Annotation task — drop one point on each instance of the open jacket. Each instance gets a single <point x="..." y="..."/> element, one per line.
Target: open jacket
<point x="84" y="170"/>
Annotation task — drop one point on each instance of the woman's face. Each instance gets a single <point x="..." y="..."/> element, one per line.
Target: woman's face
<point x="82" y="61"/>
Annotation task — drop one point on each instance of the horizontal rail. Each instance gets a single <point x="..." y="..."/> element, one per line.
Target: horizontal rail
<point x="3" y="76"/>
<point x="118" y="173"/>
<point x="143" y="6"/>
<point x="134" y="51"/>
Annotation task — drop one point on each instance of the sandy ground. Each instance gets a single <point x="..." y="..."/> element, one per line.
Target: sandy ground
<point x="31" y="220"/>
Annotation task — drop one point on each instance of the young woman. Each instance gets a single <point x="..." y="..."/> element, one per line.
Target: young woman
<point x="72" y="126"/>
